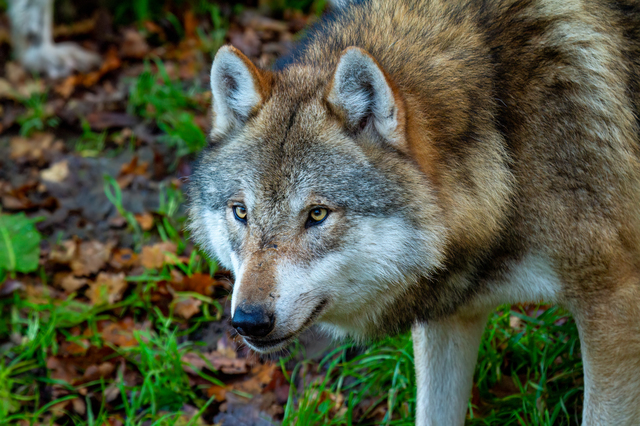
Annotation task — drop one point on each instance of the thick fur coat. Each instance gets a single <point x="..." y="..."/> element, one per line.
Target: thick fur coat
<point x="467" y="154"/>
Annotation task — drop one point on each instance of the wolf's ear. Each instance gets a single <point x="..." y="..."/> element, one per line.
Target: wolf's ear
<point x="365" y="98"/>
<point x="236" y="88"/>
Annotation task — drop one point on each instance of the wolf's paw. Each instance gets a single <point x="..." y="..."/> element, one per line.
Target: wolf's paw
<point x="59" y="60"/>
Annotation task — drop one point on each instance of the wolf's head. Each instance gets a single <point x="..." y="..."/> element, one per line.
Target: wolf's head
<point x="309" y="195"/>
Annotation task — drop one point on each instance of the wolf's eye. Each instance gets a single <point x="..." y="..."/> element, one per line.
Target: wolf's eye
<point x="240" y="213"/>
<point x="317" y="216"/>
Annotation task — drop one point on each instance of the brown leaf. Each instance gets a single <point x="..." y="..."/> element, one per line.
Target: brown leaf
<point x="102" y="120"/>
<point x="57" y="173"/>
<point x="78" y="27"/>
<point x="134" y="44"/>
<point x="78" y="347"/>
<point x="90" y="257"/>
<point x="121" y="333"/>
<point x="187" y="306"/>
<point x="219" y="392"/>
<point x="218" y="362"/>
<point x="198" y="283"/>
<point x="15" y="73"/>
<point x="108" y="288"/>
<point x="154" y="256"/>
<point x="123" y="258"/>
<point x="117" y="221"/>
<point x="61" y="370"/>
<point x="63" y="253"/>
<point x="190" y="25"/>
<point x="96" y="372"/>
<point x="78" y="406"/>
<point x="133" y="168"/>
<point x="69" y="282"/>
<point x="67" y="86"/>
<point x="32" y="148"/>
<point x="279" y="386"/>
<point x="59" y="409"/>
<point x="145" y="220"/>
<point x="111" y="62"/>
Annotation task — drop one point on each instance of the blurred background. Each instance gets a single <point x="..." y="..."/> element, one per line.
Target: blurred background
<point x="108" y="313"/>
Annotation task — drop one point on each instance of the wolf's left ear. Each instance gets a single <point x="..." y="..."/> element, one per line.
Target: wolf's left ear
<point x="364" y="97"/>
<point x="236" y="88"/>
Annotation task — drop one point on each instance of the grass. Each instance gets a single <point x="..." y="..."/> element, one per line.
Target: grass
<point x="158" y="98"/>
<point x="37" y="116"/>
<point x="37" y="330"/>
<point x="530" y="374"/>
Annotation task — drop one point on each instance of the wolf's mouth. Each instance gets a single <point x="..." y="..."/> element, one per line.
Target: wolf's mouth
<point x="270" y="345"/>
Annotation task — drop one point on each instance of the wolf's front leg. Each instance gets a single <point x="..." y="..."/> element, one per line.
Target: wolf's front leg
<point x="32" y="39"/>
<point x="445" y="354"/>
<point x="609" y="326"/>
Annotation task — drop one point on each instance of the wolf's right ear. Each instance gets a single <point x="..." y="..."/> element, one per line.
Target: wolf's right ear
<point x="236" y="86"/>
<point x="362" y="94"/>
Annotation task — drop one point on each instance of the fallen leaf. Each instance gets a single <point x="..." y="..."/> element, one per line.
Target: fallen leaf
<point x="78" y="27"/>
<point x="32" y="148"/>
<point x="7" y="91"/>
<point x="197" y="283"/>
<point x="219" y="392"/>
<point x="261" y="375"/>
<point x="57" y="173"/>
<point x="69" y="282"/>
<point x="155" y="256"/>
<point x="96" y="372"/>
<point x="117" y="222"/>
<point x="107" y="288"/>
<point x="102" y="120"/>
<point x="77" y="347"/>
<point x="90" y="257"/>
<point x="145" y="220"/>
<point x="123" y="258"/>
<point x="15" y="73"/>
<point x="216" y="360"/>
<point x="121" y="333"/>
<point x="61" y="370"/>
<point x="63" y="253"/>
<point x="59" y="409"/>
<point x="67" y="86"/>
<point x="187" y="306"/>
<point x="190" y="25"/>
<point x="78" y="406"/>
<point x="133" y="168"/>
<point x="133" y="45"/>
<point x="111" y="62"/>
<point x="279" y="385"/>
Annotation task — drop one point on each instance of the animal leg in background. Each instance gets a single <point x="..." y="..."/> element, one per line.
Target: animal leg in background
<point x="32" y="38"/>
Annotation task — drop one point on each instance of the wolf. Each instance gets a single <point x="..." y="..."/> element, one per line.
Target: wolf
<point x="32" y="40"/>
<point x="417" y="163"/>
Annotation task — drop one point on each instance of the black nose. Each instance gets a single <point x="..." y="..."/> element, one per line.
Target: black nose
<point x="252" y="321"/>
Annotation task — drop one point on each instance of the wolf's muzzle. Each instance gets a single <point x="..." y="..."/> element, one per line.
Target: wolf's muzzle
<point x="252" y="321"/>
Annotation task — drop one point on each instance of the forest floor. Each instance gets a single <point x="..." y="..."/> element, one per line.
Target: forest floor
<point x="111" y="316"/>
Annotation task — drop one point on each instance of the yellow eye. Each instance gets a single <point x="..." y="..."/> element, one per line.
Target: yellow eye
<point x="318" y="214"/>
<point x="240" y="213"/>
